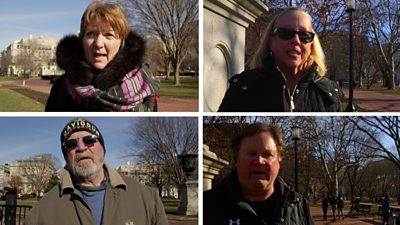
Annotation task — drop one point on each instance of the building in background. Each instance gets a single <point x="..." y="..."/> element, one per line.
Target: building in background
<point x="34" y="172"/>
<point x="150" y="175"/>
<point x="30" y="57"/>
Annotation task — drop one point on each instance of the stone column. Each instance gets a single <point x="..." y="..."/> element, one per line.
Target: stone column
<point x="212" y="164"/>
<point x="189" y="190"/>
<point x="225" y="23"/>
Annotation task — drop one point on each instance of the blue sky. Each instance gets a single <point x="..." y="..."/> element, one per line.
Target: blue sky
<point x="55" y="18"/>
<point x="23" y="137"/>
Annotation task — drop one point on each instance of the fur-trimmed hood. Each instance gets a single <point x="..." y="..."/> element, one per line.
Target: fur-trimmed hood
<point x="70" y="57"/>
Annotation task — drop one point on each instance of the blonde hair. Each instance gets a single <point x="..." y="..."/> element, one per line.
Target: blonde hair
<point x="317" y="55"/>
<point x="111" y="13"/>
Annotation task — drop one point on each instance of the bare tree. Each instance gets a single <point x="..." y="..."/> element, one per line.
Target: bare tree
<point x="159" y="140"/>
<point x="384" y="134"/>
<point x="384" y="20"/>
<point x="16" y="182"/>
<point x="173" y="21"/>
<point x="38" y="172"/>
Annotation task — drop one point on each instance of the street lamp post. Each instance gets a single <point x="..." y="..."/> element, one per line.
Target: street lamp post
<point x="295" y="138"/>
<point x="350" y="8"/>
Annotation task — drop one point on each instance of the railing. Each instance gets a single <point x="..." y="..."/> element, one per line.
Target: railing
<point x="12" y="215"/>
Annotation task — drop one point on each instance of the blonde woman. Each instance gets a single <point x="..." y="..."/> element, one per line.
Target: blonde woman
<point x="287" y="73"/>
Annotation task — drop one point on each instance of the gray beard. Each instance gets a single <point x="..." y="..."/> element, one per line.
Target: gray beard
<point x="86" y="173"/>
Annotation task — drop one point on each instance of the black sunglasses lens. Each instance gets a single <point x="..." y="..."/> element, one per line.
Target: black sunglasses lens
<point x="71" y="143"/>
<point x="89" y="139"/>
<point x="305" y="36"/>
<point x="287" y="34"/>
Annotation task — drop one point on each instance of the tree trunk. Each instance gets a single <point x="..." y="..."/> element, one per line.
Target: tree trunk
<point x="177" y="77"/>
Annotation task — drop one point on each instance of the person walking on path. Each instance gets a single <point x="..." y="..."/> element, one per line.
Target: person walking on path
<point x="334" y="206"/>
<point x="340" y="206"/>
<point x="386" y="210"/>
<point x="325" y="204"/>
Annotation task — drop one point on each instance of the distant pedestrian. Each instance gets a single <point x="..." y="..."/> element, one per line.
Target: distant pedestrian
<point x="325" y="204"/>
<point x="334" y="206"/>
<point x="340" y="206"/>
<point x="386" y="211"/>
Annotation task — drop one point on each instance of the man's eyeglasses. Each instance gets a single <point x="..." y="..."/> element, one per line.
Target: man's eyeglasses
<point x="72" y="143"/>
<point x="287" y="34"/>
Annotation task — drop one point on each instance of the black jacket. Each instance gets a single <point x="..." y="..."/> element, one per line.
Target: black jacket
<point x="264" y="90"/>
<point x="223" y="205"/>
<point x="71" y="59"/>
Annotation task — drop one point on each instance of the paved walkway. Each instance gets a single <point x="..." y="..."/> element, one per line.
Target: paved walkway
<point x="317" y="214"/>
<point x="375" y="101"/>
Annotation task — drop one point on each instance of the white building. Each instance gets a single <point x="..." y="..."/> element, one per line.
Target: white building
<point x="4" y="175"/>
<point x="29" y="56"/>
<point x="30" y="170"/>
<point x="145" y="174"/>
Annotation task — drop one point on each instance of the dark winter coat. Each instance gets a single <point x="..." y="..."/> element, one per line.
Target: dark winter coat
<point x="224" y="205"/>
<point x="70" y="57"/>
<point x="125" y="202"/>
<point x="264" y="90"/>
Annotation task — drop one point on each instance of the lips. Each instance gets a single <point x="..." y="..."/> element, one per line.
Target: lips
<point x="97" y="55"/>
<point x="80" y="158"/>
<point x="258" y="174"/>
<point x="293" y="52"/>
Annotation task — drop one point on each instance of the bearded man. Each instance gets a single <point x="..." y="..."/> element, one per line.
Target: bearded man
<point x="90" y="191"/>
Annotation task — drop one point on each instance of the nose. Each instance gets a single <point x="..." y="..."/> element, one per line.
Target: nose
<point x="296" y="39"/>
<point x="259" y="160"/>
<point x="99" y="41"/>
<point x="81" y="146"/>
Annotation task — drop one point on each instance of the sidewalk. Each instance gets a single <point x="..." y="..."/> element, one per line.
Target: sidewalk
<point x="318" y="217"/>
<point x="182" y="220"/>
<point x="374" y="101"/>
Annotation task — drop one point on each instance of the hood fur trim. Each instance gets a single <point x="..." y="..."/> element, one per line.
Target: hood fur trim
<point x="70" y="57"/>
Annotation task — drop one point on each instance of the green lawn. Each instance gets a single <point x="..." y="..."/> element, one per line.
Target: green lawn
<point x="11" y="101"/>
<point x="189" y="87"/>
<point x="4" y="78"/>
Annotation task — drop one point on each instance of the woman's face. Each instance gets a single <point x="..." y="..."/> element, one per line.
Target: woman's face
<point x="291" y="54"/>
<point x="100" y="44"/>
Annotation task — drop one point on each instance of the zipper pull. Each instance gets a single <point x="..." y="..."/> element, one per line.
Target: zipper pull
<point x="291" y="104"/>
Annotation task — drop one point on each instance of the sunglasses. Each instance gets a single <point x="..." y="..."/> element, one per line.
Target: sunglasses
<point x="87" y="140"/>
<point x="287" y="34"/>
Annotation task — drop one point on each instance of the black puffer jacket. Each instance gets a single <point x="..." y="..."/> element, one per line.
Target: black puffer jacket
<point x="224" y="205"/>
<point x="264" y="90"/>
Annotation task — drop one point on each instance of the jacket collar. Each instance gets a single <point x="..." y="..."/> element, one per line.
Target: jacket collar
<point x="67" y="184"/>
<point x="70" y="58"/>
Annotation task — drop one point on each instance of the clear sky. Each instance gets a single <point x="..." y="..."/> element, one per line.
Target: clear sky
<point x="23" y="137"/>
<point x="54" y="18"/>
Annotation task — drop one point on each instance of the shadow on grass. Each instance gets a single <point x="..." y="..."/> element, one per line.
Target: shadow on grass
<point x="35" y="95"/>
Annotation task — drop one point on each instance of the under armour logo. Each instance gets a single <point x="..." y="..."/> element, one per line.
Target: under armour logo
<point x="129" y="222"/>
<point x="231" y="222"/>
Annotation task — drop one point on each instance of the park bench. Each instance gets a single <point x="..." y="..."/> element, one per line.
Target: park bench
<point x="364" y="208"/>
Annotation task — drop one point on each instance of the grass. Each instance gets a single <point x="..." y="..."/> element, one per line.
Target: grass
<point x="171" y="206"/>
<point x="5" y="78"/>
<point x="382" y="90"/>
<point x="12" y="101"/>
<point x="189" y="87"/>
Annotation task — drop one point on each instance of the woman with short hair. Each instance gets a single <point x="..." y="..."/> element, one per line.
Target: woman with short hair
<point x="103" y="66"/>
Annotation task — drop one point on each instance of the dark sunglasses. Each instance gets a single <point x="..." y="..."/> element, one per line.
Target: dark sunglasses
<point x="72" y="143"/>
<point x="287" y="34"/>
